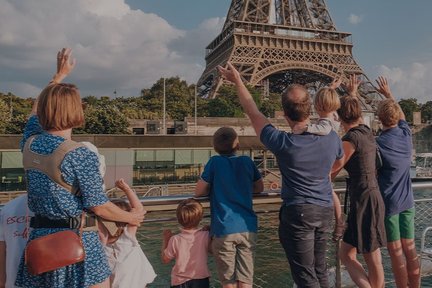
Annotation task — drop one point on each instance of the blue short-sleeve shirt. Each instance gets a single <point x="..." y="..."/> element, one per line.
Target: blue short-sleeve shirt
<point x="231" y="180"/>
<point x="305" y="161"/>
<point x="395" y="146"/>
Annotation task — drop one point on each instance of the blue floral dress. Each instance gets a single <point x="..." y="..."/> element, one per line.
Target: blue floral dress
<point x="80" y="167"/>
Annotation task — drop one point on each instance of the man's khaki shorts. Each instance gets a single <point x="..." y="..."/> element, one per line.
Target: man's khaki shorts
<point x="234" y="255"/>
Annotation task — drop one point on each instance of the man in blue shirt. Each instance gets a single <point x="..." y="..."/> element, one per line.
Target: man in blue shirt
<point x="305" y="161"/>
<point x="395" y="145"/>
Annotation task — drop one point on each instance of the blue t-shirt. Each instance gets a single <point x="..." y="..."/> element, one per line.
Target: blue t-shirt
<point x="231" y="180"/>
<point x="395" y="146"/>
<point x="305" y="162"/>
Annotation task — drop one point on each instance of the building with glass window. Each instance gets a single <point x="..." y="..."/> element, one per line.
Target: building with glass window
<point x="140" y="160"/>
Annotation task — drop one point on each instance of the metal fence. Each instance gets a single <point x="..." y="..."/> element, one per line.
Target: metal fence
<point x="271" y="266"/>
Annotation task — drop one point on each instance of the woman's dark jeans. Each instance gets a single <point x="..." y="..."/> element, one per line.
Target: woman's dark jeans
<point x="303" y="232"/>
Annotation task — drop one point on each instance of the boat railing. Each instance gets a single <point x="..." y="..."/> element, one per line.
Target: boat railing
<point x="271" y="269"/>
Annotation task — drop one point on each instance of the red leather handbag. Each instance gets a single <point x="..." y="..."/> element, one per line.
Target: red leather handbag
<point x="54" y="251"/>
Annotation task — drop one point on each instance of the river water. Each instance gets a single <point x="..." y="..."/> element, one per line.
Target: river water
<point x="271" y="267"/>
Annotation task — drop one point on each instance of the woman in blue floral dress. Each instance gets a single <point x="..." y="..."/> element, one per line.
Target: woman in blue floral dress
<point x="59" y="110"/>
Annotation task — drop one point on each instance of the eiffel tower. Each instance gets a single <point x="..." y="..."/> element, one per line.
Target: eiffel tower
<point x="274" y="43"/>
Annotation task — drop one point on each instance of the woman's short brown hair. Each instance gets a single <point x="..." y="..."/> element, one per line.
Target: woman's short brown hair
<point x="189" y="213"/>
<point x="224" y="141"/>
<point x="59" y="107"/>
<point x="389" y="112"/>
<point x="296" y="109"/>
<point x="350" y="110"/>
<point x="326" y="100"/>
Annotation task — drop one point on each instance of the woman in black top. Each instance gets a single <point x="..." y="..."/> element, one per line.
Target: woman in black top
<point x="365" y="232"/>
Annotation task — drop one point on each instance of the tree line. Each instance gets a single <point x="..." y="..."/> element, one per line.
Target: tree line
<point x="105" y="115"/>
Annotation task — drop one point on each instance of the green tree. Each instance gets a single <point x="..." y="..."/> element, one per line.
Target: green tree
<point x="90" y="100"/>
<point x="270" y="105"/>
<point x="179" y="98"/>
<point x="4" y="116"/>
<point x="104" y="119"/>
<point x="229" y="94"/>
<point x="426" y="110"/>
<point x="409" y="106"/>
<point x="16" y="124"/>
<point x="220" y="107"/>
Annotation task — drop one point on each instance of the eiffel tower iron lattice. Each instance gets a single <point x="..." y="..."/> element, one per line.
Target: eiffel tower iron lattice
<point x="274" y="43"/>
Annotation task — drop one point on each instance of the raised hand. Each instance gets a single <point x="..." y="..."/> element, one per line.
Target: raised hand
<point x="336" y="83"/>
<point x="167" y="234"/>
<point x="65" y="65"/>
<point x="122" y="185"/>
<point x="353" y="84"/>
<point x="230" y="73"/>
<point x="383" y="87"/>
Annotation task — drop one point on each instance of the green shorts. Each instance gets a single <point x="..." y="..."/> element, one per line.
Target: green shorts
<point x="400" y="225"/>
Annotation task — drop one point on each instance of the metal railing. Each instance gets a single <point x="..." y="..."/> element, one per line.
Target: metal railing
<point x="271" y="267"/>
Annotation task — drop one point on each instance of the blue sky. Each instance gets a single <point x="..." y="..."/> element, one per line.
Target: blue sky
<point x="126" y="45"/>
<point x="389" y="32"/>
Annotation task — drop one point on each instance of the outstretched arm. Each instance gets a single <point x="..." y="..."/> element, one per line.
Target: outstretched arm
<point x="134" y="202"/>
<point x="166" y="236"/>
<point x="65" y="65"/>
<point x="336" y="83"/>
<point x="352" y="85"/>
<point x="384" y="89"/>
<point x="259" y="121"/>
<point x="349" y="150"/>
<point x="202" y="188"/>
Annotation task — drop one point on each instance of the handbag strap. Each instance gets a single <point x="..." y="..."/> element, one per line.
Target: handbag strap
<point x="27" y="220"/>
<point x="83" y="216"/>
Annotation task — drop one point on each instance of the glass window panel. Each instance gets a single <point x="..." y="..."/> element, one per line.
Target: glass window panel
<point x="164" y="155"/>
<point x="110" y="157"/>
<point x="11" y="160"/>
<point x="124" y="158"/>
<point x="145" y="155"/>
<point x="183" y="157"/>
<point x="201" y="156"/>
<point x="244" y="153"/>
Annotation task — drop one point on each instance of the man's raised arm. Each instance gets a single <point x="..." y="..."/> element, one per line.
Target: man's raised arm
<point x="259" y="121"/>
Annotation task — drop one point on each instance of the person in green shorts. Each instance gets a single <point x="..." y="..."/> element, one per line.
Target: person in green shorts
<point x="395" y="146"/>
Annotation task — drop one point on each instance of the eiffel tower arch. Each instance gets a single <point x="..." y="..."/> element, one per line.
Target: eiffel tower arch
<point x="274" y="43"/>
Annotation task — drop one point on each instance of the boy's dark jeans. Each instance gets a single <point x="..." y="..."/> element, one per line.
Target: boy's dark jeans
<point x="303" y="232"/>
<point x="194" y="283"/>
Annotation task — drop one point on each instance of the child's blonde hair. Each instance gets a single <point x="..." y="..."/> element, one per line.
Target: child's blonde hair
<point x="189" y="213"/>
<point x="389" y="112"/>
<point x="326" y="100"/>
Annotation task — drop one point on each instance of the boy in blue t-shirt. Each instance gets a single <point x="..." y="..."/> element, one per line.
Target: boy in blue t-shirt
<point x="230" y="182"/>
<point x="395" y="146"/>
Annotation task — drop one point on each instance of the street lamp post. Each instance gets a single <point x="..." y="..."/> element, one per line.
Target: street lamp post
<point x="164" y="107"/>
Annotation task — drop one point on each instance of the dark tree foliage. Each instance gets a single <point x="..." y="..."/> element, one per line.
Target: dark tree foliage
<point x="426" y="111"/>
<point x="409" y="106"/>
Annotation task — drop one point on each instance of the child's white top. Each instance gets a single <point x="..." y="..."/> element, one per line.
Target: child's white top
<point x="324" y="126"/>
<point x="129" y="265"/>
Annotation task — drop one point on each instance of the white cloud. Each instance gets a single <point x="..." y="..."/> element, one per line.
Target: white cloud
<point x="410" y="82"/>
<point x="355" y="19"/>
<point x="116" y="47"/>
